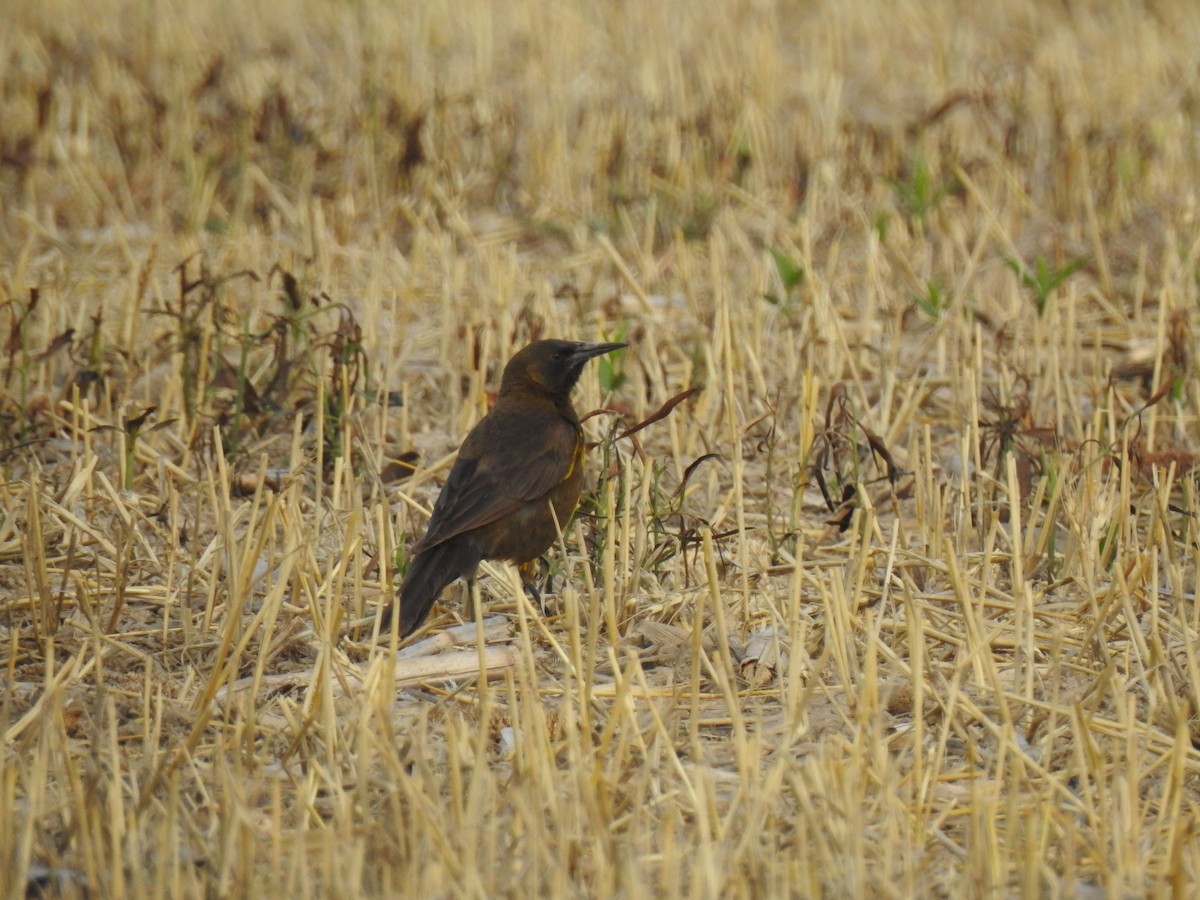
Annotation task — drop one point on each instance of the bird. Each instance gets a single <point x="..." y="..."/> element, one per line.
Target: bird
<point x="514" y="485"/>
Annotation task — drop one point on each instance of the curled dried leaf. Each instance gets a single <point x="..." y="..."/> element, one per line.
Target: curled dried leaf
<point x="763" y="657"/>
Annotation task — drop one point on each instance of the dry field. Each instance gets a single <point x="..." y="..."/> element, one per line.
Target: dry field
<point x="899" y="602"/>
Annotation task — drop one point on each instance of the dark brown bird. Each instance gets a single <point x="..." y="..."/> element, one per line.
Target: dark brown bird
<point x="520" y="461"/>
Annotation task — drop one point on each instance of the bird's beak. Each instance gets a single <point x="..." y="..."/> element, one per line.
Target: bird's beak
<point x="584" y="352"/>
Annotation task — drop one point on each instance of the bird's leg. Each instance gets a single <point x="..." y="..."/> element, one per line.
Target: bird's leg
<point x="470" y="596"/>
<point x="547" y="574"/>
<point x="528" y="573"/>
<point x="532" y="590"/>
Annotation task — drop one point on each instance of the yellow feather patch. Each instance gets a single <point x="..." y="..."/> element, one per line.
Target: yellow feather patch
<point x="577" y="459"/>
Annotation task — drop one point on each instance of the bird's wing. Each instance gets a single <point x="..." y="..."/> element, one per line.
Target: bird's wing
<point x="499" y="469"/>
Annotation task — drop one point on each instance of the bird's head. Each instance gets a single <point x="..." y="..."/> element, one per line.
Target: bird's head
<point x="553" y="366"/>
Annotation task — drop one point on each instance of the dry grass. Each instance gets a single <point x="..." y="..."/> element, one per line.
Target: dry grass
<point x="964" y="240"/>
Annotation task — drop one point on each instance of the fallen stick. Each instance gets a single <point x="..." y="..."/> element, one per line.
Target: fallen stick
<point x="409" y="670"/>
<point x="494" y="628"/>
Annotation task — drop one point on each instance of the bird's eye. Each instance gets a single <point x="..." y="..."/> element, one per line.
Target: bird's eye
<point x="560" y="354"/>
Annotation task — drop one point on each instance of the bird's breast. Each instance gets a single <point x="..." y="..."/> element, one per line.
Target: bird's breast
<point x="531" y="529"/>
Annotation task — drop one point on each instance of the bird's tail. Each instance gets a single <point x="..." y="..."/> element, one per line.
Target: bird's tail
<point x="428" y="574"/>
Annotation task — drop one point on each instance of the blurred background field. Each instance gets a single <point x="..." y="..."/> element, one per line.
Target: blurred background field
<point x="900" y="601"/>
